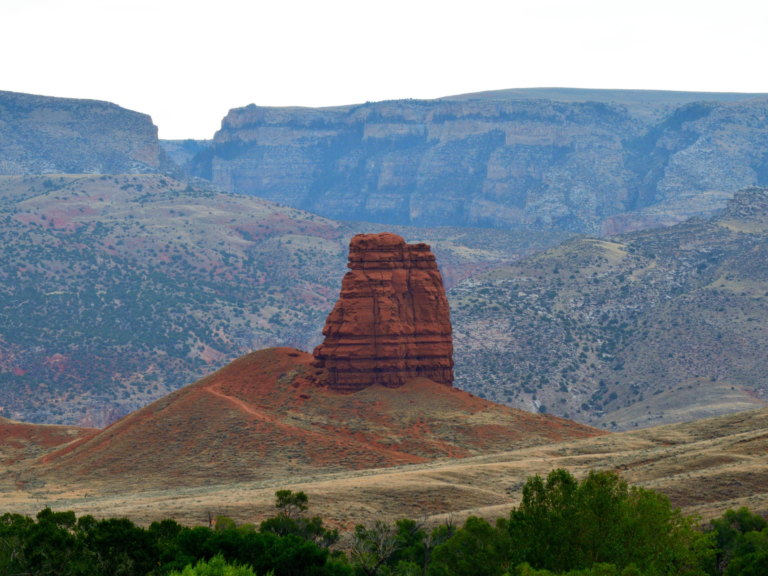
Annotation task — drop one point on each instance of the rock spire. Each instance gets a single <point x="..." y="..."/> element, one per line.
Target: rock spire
<point x="391" y="322"/>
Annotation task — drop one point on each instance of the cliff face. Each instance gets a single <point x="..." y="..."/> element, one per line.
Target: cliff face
<point x="45" y="135"/>
<point x="583" y="166"/>
<point x="391" y="322"/>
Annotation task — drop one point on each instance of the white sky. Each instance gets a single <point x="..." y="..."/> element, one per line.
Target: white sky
<point x="186" y="63"/>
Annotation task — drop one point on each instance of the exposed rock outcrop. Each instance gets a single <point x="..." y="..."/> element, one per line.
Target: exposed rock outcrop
<point x="523" y="163"/>
<point x="46" y="135"/>
<point x="392" y="320"/>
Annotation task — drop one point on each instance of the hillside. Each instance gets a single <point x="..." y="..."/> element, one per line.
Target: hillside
<point x="593" y="167"/>
<point x="632" y="331"/>
<point x="46" y="135"/>
<point x="261" y="418"/>
<point x="705" y="467"/>
<point x="116" y="290"/>
<point x="22" y="442"/>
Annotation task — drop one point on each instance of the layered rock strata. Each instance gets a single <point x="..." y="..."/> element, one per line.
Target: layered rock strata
<point x="46" y="135"/>
<point x="392" y="320"/>
<point x="508" y="163"/>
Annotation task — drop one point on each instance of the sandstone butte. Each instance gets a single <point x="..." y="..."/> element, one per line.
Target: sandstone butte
<point x="391" y="322"/>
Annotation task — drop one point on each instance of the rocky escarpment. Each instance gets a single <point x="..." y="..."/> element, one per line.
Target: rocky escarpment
<point x="581" y="166"/>
<point x="391" y="322"/>
<point x="45" y="135"/>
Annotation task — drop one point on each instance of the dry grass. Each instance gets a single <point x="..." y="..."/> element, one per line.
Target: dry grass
<point x="263" y="421"/>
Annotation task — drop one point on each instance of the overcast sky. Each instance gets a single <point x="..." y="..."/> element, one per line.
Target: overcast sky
<point x="186" y="63"/>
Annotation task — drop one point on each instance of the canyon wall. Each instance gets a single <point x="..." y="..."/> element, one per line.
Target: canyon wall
<point x="46" y="135"/>
<point x="590" y="167"/>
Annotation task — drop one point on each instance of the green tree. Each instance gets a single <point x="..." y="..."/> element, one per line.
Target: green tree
<point x="439" y="536"/>
<point x="477" y="549"/>
<point x="373" y="548"/>
<point x="290" y="503"/>
<point x="410" y="535"/>
<point x="750" y="564"/>
<point x="216" y="567"/>
<point x="563" y="525"/>
<point x="731" y="530"/>
<point x="165" y="532"/>
<point x="49" y="546"/>
<point x="289" y="555"/>
<point x="596" y="570"/>
<point x="289" y="520"/>
<point x="224" y="523"/>
<point x="118" y="546"/>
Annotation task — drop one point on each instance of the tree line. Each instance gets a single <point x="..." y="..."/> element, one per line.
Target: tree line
<point x="599" y="526"/>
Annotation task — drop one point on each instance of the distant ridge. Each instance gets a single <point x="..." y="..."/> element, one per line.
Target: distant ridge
<point x="537" y="158"/>
<point x="672" y="97"/>
<point x="50" y="135"/>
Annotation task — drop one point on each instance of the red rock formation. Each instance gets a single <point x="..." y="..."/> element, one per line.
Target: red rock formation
<point x="391" y="322"/>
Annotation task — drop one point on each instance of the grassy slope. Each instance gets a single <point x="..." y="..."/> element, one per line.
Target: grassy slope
<point x="705" y="467"/>
<point x="20" y="441"/>
<point x="651" y="327"/>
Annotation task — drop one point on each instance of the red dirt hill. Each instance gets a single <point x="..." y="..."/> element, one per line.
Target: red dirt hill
<point x="21" y="441"/>
<point x="263" y="417"/>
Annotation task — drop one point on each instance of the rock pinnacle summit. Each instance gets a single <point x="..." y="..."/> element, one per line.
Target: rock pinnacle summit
<point x="391" y="322"/>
